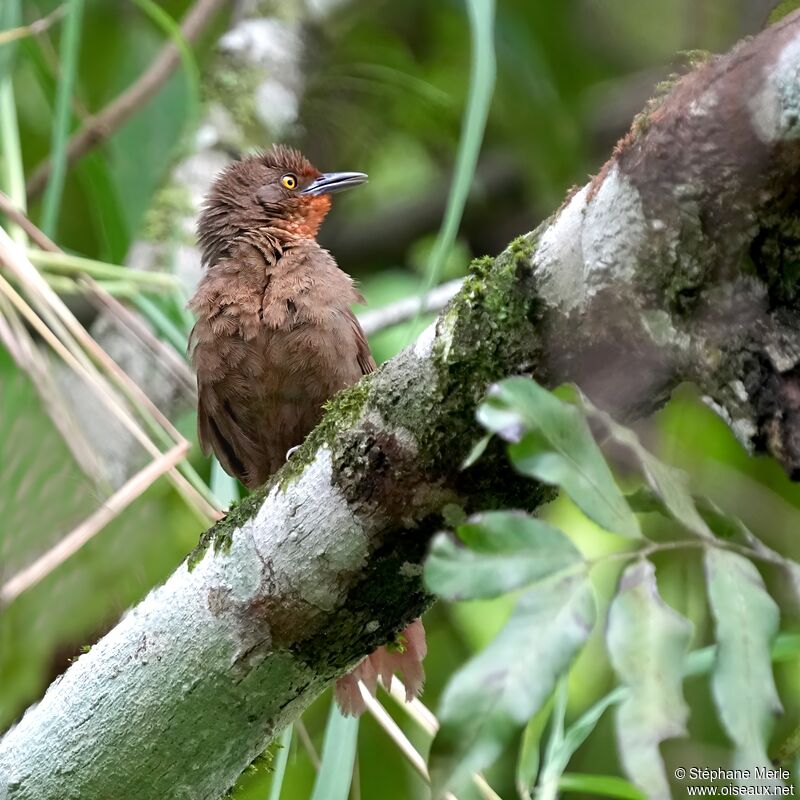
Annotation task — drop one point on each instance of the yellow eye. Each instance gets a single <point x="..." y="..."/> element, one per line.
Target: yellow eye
<point x="289" y="181"/>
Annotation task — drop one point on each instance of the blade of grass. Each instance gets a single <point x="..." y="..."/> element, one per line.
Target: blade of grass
<point x="338" y="755"/>
<point x="13" y="176"/>
<point x="68" y="264"/>
<point x="69" y="53"/>
<point x="164" y="326"/>
<point x="64" y="285"/>
<point x="10" y="17"/>
<point x="599" y="786"/>
<point x="133" y="324"/>
<point x="196" y="493"/>
<point x="192" y="72"/>
<point x="189" y="484"/>
<point x="281" y="759"/>
<point x="483" y="68"/>
<point x="223" y="486"/>
<point x="551" y="767"/>
<point x="20" y="344"/>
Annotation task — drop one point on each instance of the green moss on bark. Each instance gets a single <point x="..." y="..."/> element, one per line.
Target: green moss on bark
<point x="220" y="535"/>
<point x="233" y="84"/>
<point x="487" y="332"/>
<point x="171" y="207"/>
<point x="341" y="411"/>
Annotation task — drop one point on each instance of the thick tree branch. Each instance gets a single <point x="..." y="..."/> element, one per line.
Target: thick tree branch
<point x="675" y="264"/>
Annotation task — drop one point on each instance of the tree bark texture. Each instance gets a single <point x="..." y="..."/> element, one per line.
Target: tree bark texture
<point x="678" y="262"/>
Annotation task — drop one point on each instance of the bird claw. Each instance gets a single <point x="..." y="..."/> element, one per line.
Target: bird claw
<point x="292" y="450"/>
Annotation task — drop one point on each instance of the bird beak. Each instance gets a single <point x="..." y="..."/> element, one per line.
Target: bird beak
<point x="331" y="182"/>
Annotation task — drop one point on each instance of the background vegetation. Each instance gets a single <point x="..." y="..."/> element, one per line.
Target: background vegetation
<point x="384" y="90"/>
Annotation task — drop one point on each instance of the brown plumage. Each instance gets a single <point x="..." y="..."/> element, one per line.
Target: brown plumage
<point x="275" y="337"/>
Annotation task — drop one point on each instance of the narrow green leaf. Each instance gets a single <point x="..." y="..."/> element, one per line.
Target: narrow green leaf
<point x="505" y="550"/>
<point x="746" y="620"/>
<point x="528" y="761"/>
<point x="648" y="644"/>
<point x="281" y="760"/>
<point x="70" y="264"/>
<point x="782" y="10"/>
<point x="224" y="487"/>
<point x="551" y="442"/>
<point x="726" y="526"/>
<point x="477" y="451"/>
<point x="671" y="485"/>
<point x="600" y="786"/>
<point x="483" y="69"/>
<point x="12" y="172"/>
<point x="164" y="326"/>
<point x="338" y="756"/>
<point x="68" y="68"/>
<point x="190" y="68"/>
<point x="577" y="733"/>
<point x="495" y="693"/>
<point x="548" y="785"/>
<point x="105" y="206"/>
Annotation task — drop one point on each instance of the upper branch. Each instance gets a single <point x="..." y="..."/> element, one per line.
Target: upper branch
<point x="678" y="262"/>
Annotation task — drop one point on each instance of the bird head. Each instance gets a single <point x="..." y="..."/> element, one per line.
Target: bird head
<point x="278" y="189"/>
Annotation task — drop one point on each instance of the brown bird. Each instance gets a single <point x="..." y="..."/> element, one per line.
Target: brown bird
<point x="275" y="338"/>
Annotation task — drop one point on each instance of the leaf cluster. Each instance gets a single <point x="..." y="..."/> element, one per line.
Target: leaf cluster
<point x="561" y="439"/>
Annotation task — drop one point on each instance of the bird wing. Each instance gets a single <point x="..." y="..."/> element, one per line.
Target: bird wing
<point x="364" y="356"/>
<point x="221" y="398"/>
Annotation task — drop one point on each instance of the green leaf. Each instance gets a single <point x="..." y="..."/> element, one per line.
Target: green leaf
<point x="782" y="10"/>
<point x="482" y="73"/>
<point x="648" y="644"/>
<point x="528" y="761"/>
<point x="552" y="443"/>
<point x="746" y="620"/>
<point x="477" y="451"/>
<point x="338" y="756"/>
<point x="599" y="786"/>
<point x="548" y="784"/>
<point x="105" y="207"/>
<point x="68" y="68"/>
<point x="495" y="693"/>
<point x="671" y="485"/>
<point x="505" y="550"/>
<point x="224" y="487"/>
<point x="281" y="759"/>
<point x="726" y="526"/>
<point x="559" y="756"/>
<point x="699" y="662"/>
